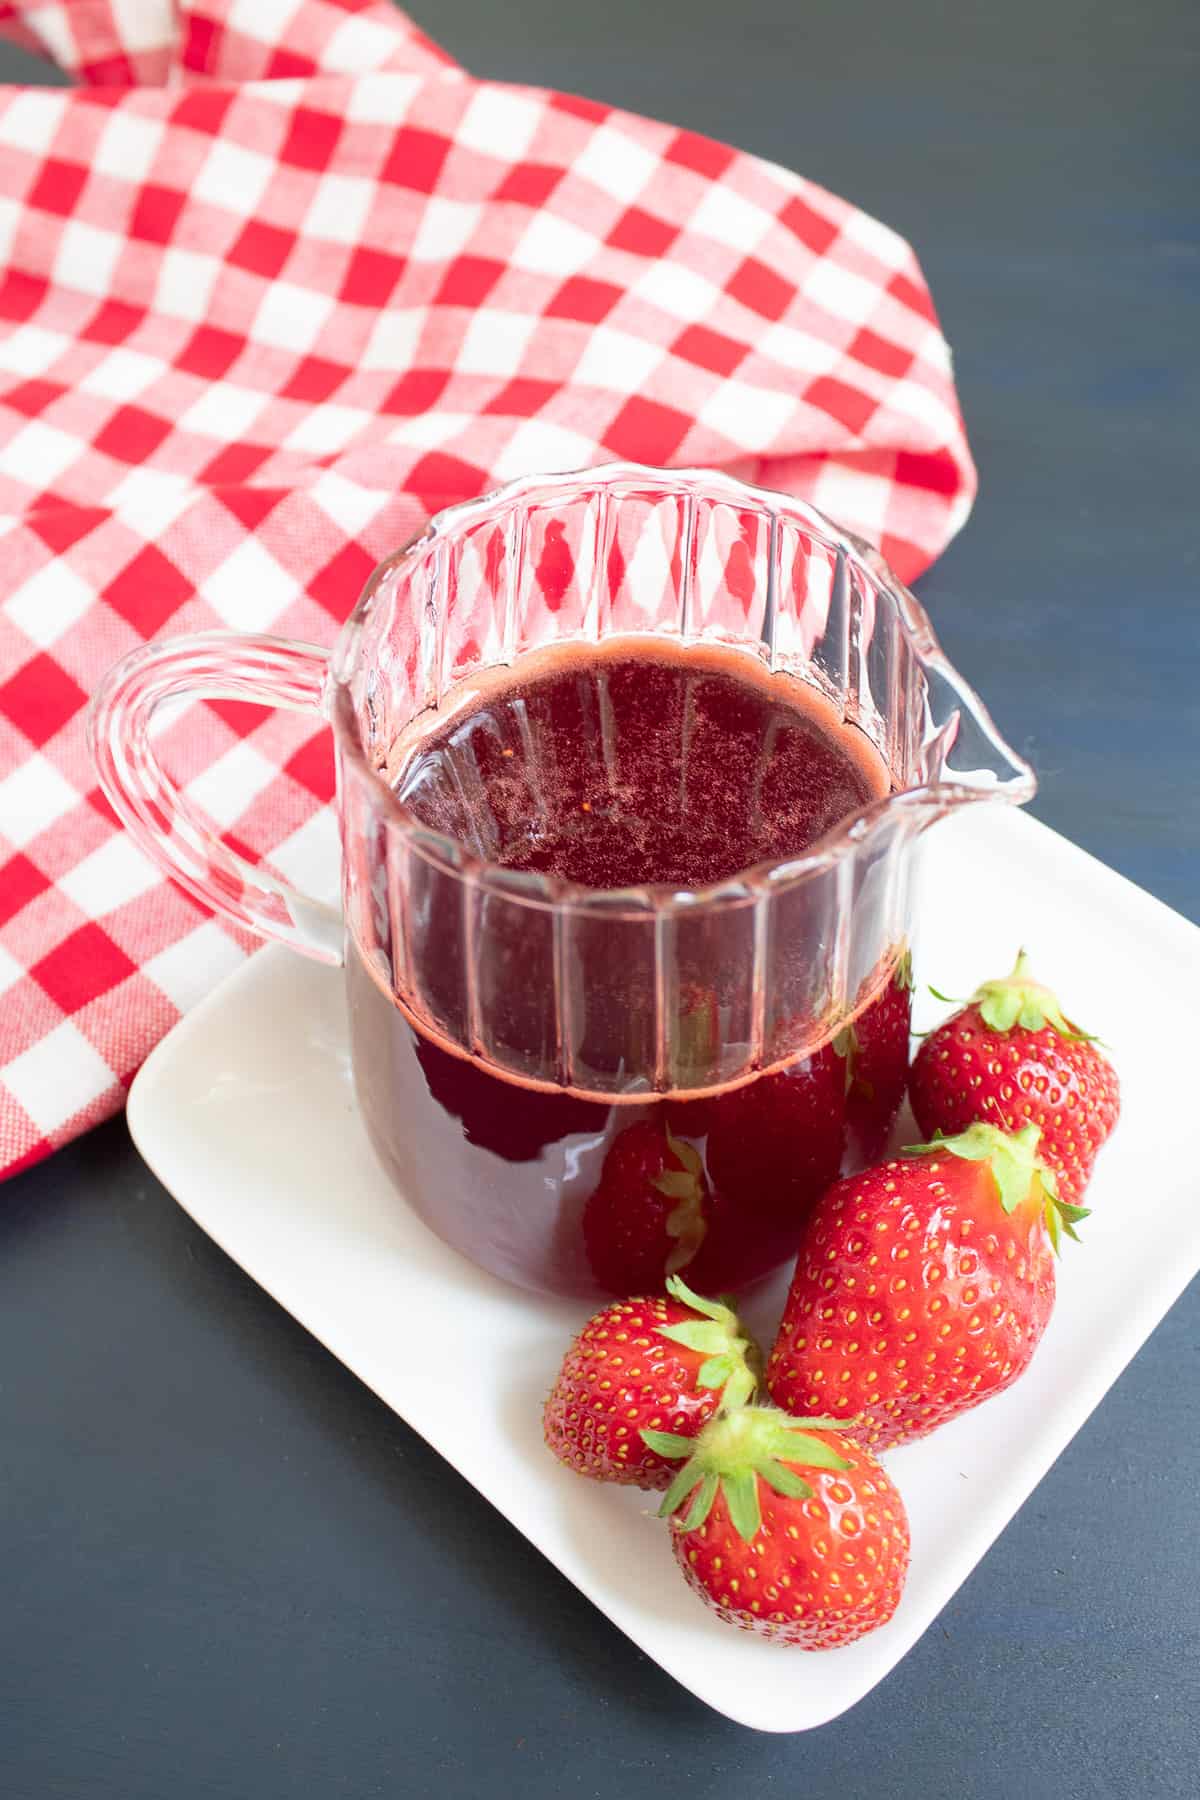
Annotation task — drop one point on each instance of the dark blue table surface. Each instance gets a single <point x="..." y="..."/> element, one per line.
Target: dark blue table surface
<point x="227" y="1570"/>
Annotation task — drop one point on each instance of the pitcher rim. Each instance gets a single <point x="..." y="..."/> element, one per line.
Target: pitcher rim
<point x="917" y="805"/>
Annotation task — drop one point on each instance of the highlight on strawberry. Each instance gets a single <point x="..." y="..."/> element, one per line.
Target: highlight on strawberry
<point x="1011" y="1057"/>
<point x="923" y="1285"/>
<point x="664" y="1364"/>
<point x="786" y="1527"/>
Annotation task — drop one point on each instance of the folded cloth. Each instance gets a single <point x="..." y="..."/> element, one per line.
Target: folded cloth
<point x="277" y="280"/>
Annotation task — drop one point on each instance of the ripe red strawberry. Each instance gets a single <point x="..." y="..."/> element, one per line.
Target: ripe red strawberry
<point x="786" y="1528"/>
<point x="922" y="1286"/>
<point x="743" y="1242"/>
<point x="776" y="1143"/>
<point x="770" y="1149"/>
<point x="648" y="1214"/>
<point x="660" y="1364"/>
<point x="1010" y="1058"/>
<point x="875" y="1051"/>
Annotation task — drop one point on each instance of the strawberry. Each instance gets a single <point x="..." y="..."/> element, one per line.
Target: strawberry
<point x="1010" y="1058"/>
<point x="770" y="1147"/>
<point x="648" y="1214"/>
<point x="875" y="1050"/>
<point x="665" y="1364"/>
<point x="742" y="1243"/>
<point x="775" y="1144"/>
<point x="922" y="1286"/>
<point x="785" y="1527"/>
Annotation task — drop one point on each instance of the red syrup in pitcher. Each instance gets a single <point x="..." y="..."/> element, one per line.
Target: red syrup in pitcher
<point x="613" y="766"/>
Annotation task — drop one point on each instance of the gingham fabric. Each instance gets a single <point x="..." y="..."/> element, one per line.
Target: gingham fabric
<point x="276" y="281"/>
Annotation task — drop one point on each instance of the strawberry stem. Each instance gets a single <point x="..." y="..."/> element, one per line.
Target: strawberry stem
<point x="733" y="1453"/>
<point x="733" y="1361"/>
<point x="1017" y="999"/>
<point x="1017" y="1169"/>
<point x="686" y="1223"/>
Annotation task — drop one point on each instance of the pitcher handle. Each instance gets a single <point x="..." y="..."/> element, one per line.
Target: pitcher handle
<point x="225" y="665"/>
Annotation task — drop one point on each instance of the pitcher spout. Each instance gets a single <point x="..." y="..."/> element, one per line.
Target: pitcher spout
<point x="963" y="758"/>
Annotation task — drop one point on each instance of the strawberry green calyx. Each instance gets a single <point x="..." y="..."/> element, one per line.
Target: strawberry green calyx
<point x="733" y="1453"/>
<point x="1018" y="999"/>
<point x="733" y="1361"/>
<point x="685" y="1222"/>
<point x="847" y="1046"/>
<point x="1018" y="1171"/>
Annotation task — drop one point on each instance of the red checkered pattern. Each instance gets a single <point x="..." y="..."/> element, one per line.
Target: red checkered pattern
<point x="276" y="281"/>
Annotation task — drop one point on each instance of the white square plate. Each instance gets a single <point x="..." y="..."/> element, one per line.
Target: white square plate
<point x="246" y="1112"/>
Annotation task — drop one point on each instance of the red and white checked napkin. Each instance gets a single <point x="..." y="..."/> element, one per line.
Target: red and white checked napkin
<point x="277" y="280"/>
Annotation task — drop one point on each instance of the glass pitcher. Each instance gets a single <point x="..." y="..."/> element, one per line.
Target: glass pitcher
<point x="508" y="1028"/>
